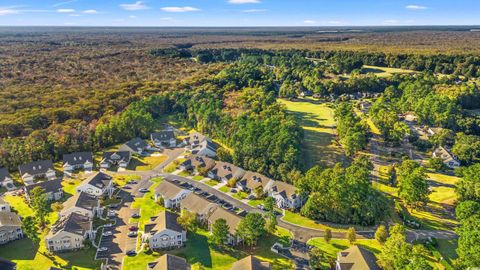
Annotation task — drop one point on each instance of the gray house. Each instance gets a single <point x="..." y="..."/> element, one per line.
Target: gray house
<point x="135" y="146"/>
<point x="119" y="158"/>
<point x="164" y="138"/>
<point x="224" y="171"/>
<point x="77" y="161"/>
<point x="6" y="180"/>
<point x="82" y="203"/>
<point x="37" y="169"/>
<point x="52" y="187"/>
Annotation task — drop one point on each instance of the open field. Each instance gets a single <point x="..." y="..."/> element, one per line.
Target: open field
<point x="147" y="205"/>
<point x="122" y="180"/>
<point x="385" y="71"/>
<point x="319" y="127"/>
<point x="146" y="163"/>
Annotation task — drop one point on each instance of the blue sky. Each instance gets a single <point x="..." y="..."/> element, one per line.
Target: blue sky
<point x="239" y="12"/>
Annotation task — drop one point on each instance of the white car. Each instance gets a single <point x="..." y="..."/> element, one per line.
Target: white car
<point x="107" y="233"/>
<point x="102" y="249"/>
<point x="111" y="213"/>
<point x="108" y="225"/>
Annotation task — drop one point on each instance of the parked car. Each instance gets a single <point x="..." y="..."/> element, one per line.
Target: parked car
<point x="261" y="207"/>
<point x="132" y="234"/>
<point x="143" y="190"/>
<point x="135" y="215"/>
<point x="112" y="206"/>
<point x="131" y="253"/>
<point x="107" y="233"/>
<point x="127" y="187"/>
<point x="133" y="228"/>
<point x="111" y="213"/>
<point x="233" y="190"/>
<point x="108" y="225"/>
<point x="118" y="197"/>
<point x="132" y="182"/>
<point x="102" y="249"/>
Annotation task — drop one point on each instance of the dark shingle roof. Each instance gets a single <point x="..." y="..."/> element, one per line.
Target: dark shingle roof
<point x="250" y="263"/>
<point x="199" y="161"/>
<point x="169" y="262"/>
<point x="36" y="167"/>
<point x="357" y="258"/>
<point x="74" y="223"/>
<point x="98" y="179"/>
<point x="82" y="200"/>
<point x="7" y="265"/>
<point x="205" y="144"/>
<point x="48" y="186"/>
<point x="78" y="158"/>
<point x="3" y="174"/>
<point x="165" y="221"/>
<point x="115" y="157"/>
<point x="135" y="145"/>
<point x="163" y="136"/>
<point x="225" y="169"/>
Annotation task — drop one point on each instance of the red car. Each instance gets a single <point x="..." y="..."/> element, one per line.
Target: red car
<point x="133" y="228"/>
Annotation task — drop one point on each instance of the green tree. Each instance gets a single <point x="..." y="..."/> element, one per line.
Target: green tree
<point x="468" y="242"/>
<point x="56" y="207"/>
<point x="39" y="204"/>
<point x="30" y="229"/>
<point x="413" y="186"/>
<point x="220" y="232"/>
<point x="316" y="258"/>
<point x="268" y="204"/>
<point x="381" y="234"/>
<point x="251" y="228"/>
<point x="351" y="235"/>
<point x="468" y="188"/>
<point x="271" y="222"/>
<point x="258" y="191"/>
<point x="436" y="164"/>
<point x="188" y="221"/>
<point x="467" y="209"/>
<point x="328" y="235"/>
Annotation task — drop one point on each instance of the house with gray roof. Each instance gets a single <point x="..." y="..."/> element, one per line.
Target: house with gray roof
<point x="197" y="204"/>
<point x="82" y="203"/>
<point x="69" y="233"/>
<point x="171" y="193"/>
<point x="356" y="258"/>
<point x="169" y="262"/>
<point x="135" y="146"/>
<point x="165" y="232"/>
<point x="253" y="180"/>
<point x="194" y="162"/>
<point x="205" y="148"/>
<point x="194" y="139"/>
<point x="6" y="180"/>
<point x="232" y="221"/>
<point x="224" y="171"/>
<point x="53" y="188"/>
<point x="77" y="161"/>
<point x="97" y="184"/>
<point x="165" y="138"/>
<point x="447" y="157"/>
<point x="10" y="227"/>
<point x="286" y="196"/>
<point x="250" y="263"/>
<point x="7" y="265"/>
<point x="4" y="206"/>
<point x="119" y="158"/>
<point x="37" y="169"/>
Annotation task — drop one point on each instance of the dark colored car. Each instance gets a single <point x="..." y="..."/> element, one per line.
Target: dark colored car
<point x="133" y="228"/>
<point x="131" y="253"/>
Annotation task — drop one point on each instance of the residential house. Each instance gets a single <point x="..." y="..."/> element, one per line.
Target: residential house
<point x="170" y="193"/>
<point x="198" y="205"/>
<point x="164" y="138"/>
<point x="53" y="188"/>
<point x="135" y="146"/>
<point x="82" y="203"/>
<point x="77" y="161"/>
<point x="194" y="139"/>
<point x="98" y="184"/>
<point x="448" y="158"/>
<point x="10" y="227"/>
<point x="205" y="148"/>
<point x="250" y="263"/>
<point x="194" y="162"/>
<point x="4" y="206"/>
<point x="7" y="265"/>
<point x="119" y="158"/>
<point x="69" y="233"/>
<point x="356" y="258"/>
<point x="165" y="232"/>
<point x="285" y="195"/>
<point x="232" y="222"/>
<point x="252" y="180"/>
<point x="169" y="262"/>
<point x="6" y="180"/>
<point x="305" y="93"/>
<point x="365" y="106"/>
<point x="37" y="169"/>
<point x="224" y="171"/>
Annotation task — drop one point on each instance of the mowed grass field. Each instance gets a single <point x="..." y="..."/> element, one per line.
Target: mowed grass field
<point x="385" y="71"/>
<point x="319" y="126"/>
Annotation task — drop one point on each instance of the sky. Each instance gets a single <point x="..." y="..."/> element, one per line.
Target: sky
<point x="238" y="12"/>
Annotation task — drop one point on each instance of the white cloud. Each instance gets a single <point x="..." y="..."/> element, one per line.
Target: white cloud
<point x="139" y="5"/>
<point x="132" y="17"/>
<point x="255" y="10"/>
<point x="309" y="22"/>
<point x="65" y="10"/>
<point x="8" y="11"/>
<point x="90" y="11"/>
<point x="179" y="9"/>
<point x="64" y="3"/>
<point x="240" y="2"/>
<point x="415" y="7"/>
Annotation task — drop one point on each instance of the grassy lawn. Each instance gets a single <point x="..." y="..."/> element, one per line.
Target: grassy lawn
<point x="224" y="189"/>
<point x="255" y="203"/>
<point x="70" y="185"/>
<point x="122" y="180"/>
<point x="170" y="168"/>
<point x="385" y="71"/>
<point x="199" y="249"/>
<point x="211" y="182"/>
<point x="319" y="128"/>
<point x="296" y="218"/>
<point x="197" y="177"/>
<point x="184" y="174"/>
<point x="447" y="249"/>
<point x="240" y="195"/>
<point x="140" y="163"/>
<point x="147" y="205"/>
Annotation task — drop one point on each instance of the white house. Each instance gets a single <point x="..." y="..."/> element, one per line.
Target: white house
<point x="82" y="203"/>
<point x="232" y="221"/>
<point x="135" y="146"/>
<point x="77" y="161"/>
<point x="6" y="180"/>
<point x="448" y="158"/>
<point x="98" y="184"/>
<point x="53" y="188"/>
<point x="37" y="169"/>
<point x="4" y="206"/>
<point x="69" y="233"/>
<point x="194" y="162"/>
<point x="119" y="158"/>
<point x="224" y="171"/>
<point x="164" y="138"/>
<point x="285" y="195"/>
<point x="205" y="148"/>
<point x="252" y="180"/>
<point x="165" y="232"/>
<point x="198" y="205"/>
<point x="170" y="193"/>
<point x="10" y="227"/>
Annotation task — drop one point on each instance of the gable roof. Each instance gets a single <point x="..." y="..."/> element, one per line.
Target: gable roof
<point x="162" y="136"/>
<point x="73" y="223"/>
<point x="169" y="262"/>
<point x="225" y="169"/>
<point x="4" y="174"/>
<point x="253" y="180"/>
<point x="7" y="265"/>
<point x="81" y="200"/>
<point x="357" y="258"/>
<point x="9" y="219"/>
<point x="98" y="179"/>
<point x="444" y="154"/>
<point x="199" y="161"/>
<point x="250" y="263"/>
<point x="78" y="158"/>
<point x="48" y="186"/>
<point x="232" y="219"/>
<point x="197" y="204"/>
<point x="166" y="220"/>
<point x="36" y="167"/>
<point x="196" y="138"/>
<point x="167" y="189"/>
<point x="115" y="157"/>
<point x="135" y="145"/>
<point x="285" y="190"/>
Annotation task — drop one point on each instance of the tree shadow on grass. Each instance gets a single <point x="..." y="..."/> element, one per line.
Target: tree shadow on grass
<point x="134" y="163"/>
<point x="196" y="250"/>
<point x="19" y="250"/>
